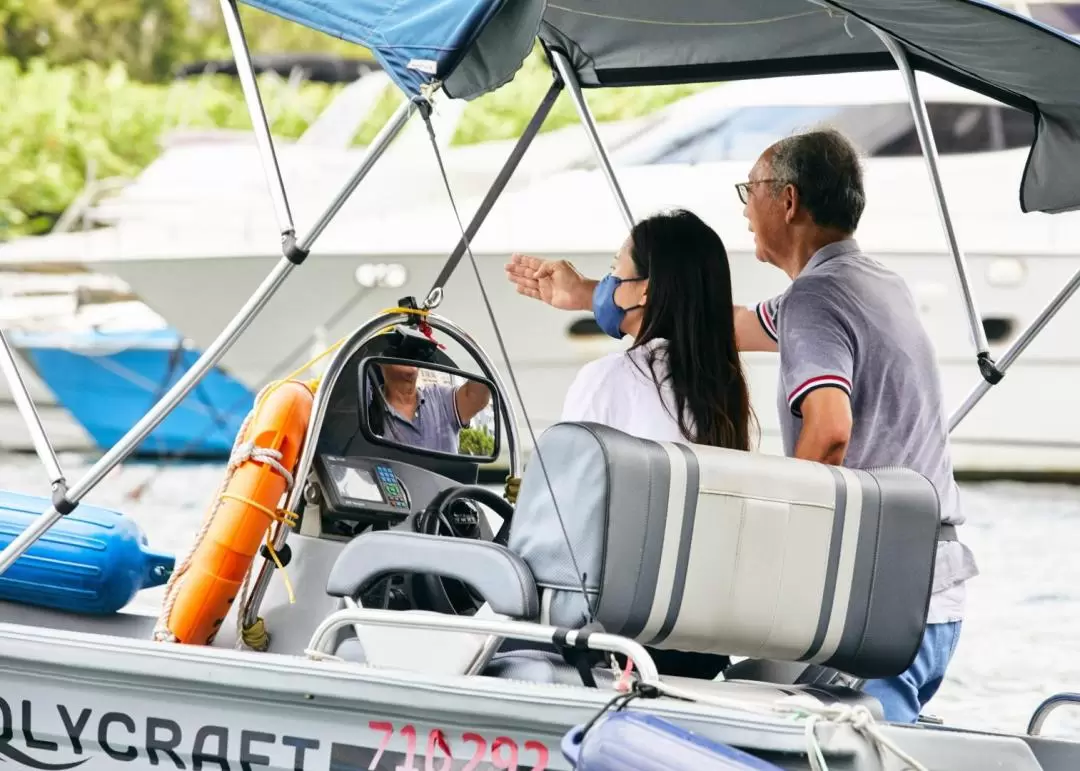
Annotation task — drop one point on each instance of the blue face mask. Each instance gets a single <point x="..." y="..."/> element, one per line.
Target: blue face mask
<point x="609" y="316"/>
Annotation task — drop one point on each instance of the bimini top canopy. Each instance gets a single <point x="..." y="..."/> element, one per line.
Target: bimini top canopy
<point x="475" y="46"/>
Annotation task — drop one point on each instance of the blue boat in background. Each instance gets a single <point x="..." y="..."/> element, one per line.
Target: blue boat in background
<point x="108" y="380"/>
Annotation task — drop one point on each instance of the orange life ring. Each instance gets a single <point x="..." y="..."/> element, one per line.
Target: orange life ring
<point x="246" y="507"/>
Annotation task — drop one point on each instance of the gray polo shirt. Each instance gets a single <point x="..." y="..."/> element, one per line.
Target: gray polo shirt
<point x="848" y="322"/>
<point x="435" y="426"/>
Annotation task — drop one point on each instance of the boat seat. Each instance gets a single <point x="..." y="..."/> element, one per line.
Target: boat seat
<point x="693" y="548"/>
<point x="681" y="548"/>
<point x="496" y="574"/>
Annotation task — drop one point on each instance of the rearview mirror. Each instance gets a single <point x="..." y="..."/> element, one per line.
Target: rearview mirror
<point x="429" y="409"/>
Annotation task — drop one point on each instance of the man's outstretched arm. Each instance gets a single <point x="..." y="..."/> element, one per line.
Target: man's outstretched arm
<point x="558" y="283"/>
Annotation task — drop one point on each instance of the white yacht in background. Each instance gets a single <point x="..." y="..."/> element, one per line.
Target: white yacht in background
<point x="691" y="154"/>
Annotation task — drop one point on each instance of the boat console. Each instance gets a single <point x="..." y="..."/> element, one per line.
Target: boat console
<point x="374" y="492"/>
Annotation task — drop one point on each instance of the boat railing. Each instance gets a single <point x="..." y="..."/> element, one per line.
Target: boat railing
<point x="80" y="212"/>
<point x="1049" y="706"/>
<point x="325" y="635"/>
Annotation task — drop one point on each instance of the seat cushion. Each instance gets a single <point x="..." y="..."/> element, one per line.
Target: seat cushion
<point x="703" y="549"/>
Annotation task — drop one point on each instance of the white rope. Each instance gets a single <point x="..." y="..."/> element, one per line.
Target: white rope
<point x="815" y="713"/>
<point x="248" y="451"/>
<point x="242" y="452"/>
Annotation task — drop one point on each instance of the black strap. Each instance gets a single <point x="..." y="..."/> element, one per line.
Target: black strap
<point x="577" y="655"/>
<point x="947" y="533"/>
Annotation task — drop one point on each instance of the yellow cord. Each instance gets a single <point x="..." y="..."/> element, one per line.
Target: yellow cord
<point x="284" y="516"/>
<point x="255" y="635"/>
<point x="513" y="485"/>
<point x="314" y="383"/>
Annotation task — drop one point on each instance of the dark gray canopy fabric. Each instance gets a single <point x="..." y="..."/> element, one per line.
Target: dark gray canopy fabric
<point x="475" y="46"/>
<point x="972" y="43"/>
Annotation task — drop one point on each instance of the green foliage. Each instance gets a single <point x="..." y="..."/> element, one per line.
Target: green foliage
<point x="476" y="441"/>
<point x="58" y="121"/>
<point x="149" y="37"/>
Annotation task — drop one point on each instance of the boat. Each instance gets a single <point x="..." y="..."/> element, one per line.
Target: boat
<point x="388" y="622"/>
<point x="667" y="158"/>
<point x="106" y="378"/>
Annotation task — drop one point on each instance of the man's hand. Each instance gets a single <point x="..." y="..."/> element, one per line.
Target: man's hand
<point x="469" y="399"/>
<point x="826" y="428"/>
<point x="555" y="282"/>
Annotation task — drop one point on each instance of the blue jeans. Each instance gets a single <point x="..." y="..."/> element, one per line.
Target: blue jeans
<point x="903" y="696"/>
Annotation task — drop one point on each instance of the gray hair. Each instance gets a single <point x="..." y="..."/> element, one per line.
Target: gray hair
<point x="824" y="167"/>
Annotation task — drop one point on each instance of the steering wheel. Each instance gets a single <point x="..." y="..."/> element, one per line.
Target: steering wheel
<point x="453" y="512"/>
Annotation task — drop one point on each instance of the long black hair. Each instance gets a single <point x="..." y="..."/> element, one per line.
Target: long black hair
<point x="690" y="307"/>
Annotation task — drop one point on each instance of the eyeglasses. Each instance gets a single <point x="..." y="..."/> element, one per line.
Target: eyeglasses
<point x="743" y="188"/>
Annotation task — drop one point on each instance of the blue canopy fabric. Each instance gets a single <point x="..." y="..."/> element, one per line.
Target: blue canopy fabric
<point x="422" y="42"/>
<point x="475" y="46"/>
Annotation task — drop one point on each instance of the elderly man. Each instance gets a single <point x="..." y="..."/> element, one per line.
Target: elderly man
<point x="432" y="416"/>
<point x="859" y="384"/>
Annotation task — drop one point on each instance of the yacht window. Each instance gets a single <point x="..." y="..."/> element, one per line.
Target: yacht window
<point x="880" y="130"/>
<point x="967" y="128"/>
<point x="957" y="128"/>
<point x="740" y="136"/>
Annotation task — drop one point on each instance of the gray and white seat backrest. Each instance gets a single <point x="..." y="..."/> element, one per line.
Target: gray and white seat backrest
<point x="697" y="548"/>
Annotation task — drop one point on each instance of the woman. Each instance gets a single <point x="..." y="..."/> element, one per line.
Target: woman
<point x="681" y="380"/>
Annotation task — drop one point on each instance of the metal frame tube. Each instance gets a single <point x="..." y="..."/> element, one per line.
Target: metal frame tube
<point x="334" y="368"/>
<point x="929" y="147"/>
<point x="325" y="633"/>
<point x="566" y="72"/>
<point x="375" y="151"/>
<point x="1017" y="348"/>
<point x="495" y="190"/>
<point x="214" y="352"/>
<point x="1051" y="704"/>
<point x="29" y="413"/>
<point x="259" y="124"/>
<point x="157" y="413"/>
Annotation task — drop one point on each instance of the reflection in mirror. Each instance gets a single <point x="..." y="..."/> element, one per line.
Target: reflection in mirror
<point x="429" y="408"/>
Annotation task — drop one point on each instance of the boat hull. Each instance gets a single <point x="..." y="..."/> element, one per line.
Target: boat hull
<point x="88" y="701"/>
<point x="108" y="381"/>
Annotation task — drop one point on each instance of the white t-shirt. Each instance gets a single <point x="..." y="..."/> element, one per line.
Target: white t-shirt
<point x="618" y="390"/>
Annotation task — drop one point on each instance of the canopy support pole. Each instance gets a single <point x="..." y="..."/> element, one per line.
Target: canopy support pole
<point x="434" y="296"/>
<point x="66" y="499"/>
<point x="566" y="72"/>
<point x="250" y="611"/>
<point x="1017" y="348"/>
<point x="65" y="503"/>
<point x="25" y="405"/>
<point x="246" y="72"/>
<point x="375" y="151"/>
<point x="989" y="370"/>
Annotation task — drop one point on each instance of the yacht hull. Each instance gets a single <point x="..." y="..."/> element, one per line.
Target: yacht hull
<point x="1009" y="433"/>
